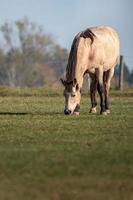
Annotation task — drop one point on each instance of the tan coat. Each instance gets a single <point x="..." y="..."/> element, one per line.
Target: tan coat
<point x="102" y="52"/>
<point x="94" y="51"/>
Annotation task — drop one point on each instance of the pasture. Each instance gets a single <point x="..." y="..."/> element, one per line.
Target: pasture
<point x="45" y="155"/>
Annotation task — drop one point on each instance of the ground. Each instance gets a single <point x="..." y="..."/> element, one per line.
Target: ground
<point x="46" y="155"/>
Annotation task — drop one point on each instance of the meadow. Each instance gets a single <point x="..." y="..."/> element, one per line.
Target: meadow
<point x="45" y="155"/>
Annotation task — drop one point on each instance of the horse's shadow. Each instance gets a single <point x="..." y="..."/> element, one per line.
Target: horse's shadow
<point x="29" y="113"/>
<point x="15" y="113"/>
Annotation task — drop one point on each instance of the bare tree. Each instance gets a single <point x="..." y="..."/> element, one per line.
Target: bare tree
<point x="31" y="57"/>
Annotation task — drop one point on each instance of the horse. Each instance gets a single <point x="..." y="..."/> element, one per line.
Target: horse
<point x="95" y="51"/>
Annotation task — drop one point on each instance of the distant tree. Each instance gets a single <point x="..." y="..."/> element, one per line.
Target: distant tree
<point x="128" y="76"/>
<point x="7" y="31"/>
<point x="59" y="59"/>
<point x="126" y="73"/>
<point x="130" y="79"/>
<point x="29" y="56"/>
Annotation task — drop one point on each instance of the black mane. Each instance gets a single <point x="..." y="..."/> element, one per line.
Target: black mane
<point x="88" y="34"/>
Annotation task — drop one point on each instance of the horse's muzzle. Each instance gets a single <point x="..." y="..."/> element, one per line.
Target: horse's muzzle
<point x="67" y="112"/>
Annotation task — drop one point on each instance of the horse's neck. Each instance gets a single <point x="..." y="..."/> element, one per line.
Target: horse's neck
<point x="82" y="61"/>
<point x="79" y="75"/>
<point x="78" y="62"/>
<point x="76" y="73"/>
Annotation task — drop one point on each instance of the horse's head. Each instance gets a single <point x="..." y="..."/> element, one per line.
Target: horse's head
<point x="72" y="94"/>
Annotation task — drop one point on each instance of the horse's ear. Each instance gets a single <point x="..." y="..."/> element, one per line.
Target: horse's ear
<point x="74" y="81"/>
<point x="63" y="82"/>
<point x="77" y="86"/>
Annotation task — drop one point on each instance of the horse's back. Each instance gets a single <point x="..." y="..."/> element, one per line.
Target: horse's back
<point x="106" y="36"/>
<point x="105" y="48"/>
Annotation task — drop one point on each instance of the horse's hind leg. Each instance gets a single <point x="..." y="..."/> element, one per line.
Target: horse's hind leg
<point x="100" y="88"/>
<point x="109" y="74"/>
<point x="93" y="88"/>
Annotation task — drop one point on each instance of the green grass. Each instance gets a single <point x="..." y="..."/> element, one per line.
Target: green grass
<point x="46" y="155"/>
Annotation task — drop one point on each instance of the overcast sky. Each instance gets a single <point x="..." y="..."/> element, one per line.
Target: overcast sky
<point x="64" y="18"/>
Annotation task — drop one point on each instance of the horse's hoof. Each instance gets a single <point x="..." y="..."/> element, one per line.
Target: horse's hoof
<point x="103" y="113"/>
<point x="76" y="113"/>
<point x="93" y="110"/>
<point x="107" y="111"/>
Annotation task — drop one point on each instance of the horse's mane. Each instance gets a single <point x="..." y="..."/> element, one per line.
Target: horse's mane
<point x="73" y="52"/>
<point x="70" y="70"/>
<point x="88" y="34"/>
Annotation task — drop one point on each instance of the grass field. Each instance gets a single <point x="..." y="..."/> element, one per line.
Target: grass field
<point x="45" y="155"/>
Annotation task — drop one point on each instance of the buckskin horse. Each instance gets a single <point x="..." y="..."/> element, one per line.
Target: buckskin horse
<point x="94" y="51"/>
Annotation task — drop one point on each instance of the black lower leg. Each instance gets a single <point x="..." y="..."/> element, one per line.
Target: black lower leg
<point x="93" y="95"/>
<point x="77" y="109"/>
<point x="106" y="102"/>
<point x="93" y="100"/>
<point x="101" y="93"/>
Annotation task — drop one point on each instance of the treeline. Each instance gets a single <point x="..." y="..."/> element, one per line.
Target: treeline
<point x="29" y="56"/>
<point x="128" y="76"/>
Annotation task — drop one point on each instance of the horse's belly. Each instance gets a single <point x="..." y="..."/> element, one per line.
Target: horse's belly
<point x="105" y="59"/>
<point x="106" y="68"/>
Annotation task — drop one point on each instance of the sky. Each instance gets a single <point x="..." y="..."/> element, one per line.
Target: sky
<point x="65" y="18"/>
